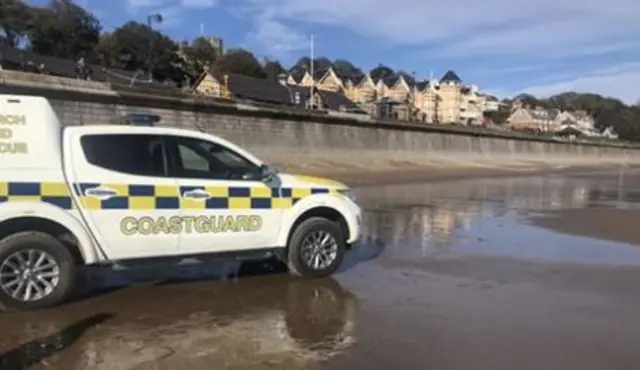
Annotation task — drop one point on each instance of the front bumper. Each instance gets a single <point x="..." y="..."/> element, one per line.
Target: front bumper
<point x="354" y="222"/>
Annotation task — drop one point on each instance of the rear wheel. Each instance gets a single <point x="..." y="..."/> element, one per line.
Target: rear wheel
<point x="36" y="271"/>
<point x="316" y="248"/>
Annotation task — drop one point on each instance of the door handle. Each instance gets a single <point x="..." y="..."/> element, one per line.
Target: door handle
<point x="101" y="193"/>
<point x="198" y="194"/>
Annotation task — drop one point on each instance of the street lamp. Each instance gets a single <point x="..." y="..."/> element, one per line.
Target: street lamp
<point x="152" y="18"/>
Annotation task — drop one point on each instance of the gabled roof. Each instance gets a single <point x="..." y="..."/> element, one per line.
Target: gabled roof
<point x="251" y="88"/>
<point x="324" y="73"/>
<point x="298" y="75"/>
<point x="343" y="77"/>
<point x="422" y="85"/>
<point x="358" y="79"/>
<point x="451" y="76"/>
<point x="302" y="94"/>
<point x="336" y="101"/>
<point x="319" y="74"/>
<point x="361" y="79"/>
<point x="542" y="114"/>
<point x="392" y="81"/>
<point x="569" y="130"/>
<point x="331" y="100"/>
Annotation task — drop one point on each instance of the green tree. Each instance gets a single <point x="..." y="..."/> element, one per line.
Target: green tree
<point x="16" y="19"/>
<point x="606" y="111"/>
<point x="322" y="63"/>
<point x="273" y="69"/>
<point x="64" y="29"/>
<point x="318" y="64"/>
<point x="135" y="46"/>
<point x="197" y="55"/>
<point x="345" y="68"/>
<point x="302" y="63"/>
<point x="498" y="117"/>
<point x="239" y="61"/>
<point x="527" y="99"/>
<point x="380" y="72"/>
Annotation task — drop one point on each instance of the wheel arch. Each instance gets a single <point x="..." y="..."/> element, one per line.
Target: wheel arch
<point x="52" y="221"/>
<point x="322" y="211"/>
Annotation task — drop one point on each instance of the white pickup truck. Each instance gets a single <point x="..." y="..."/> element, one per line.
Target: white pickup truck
<point x="72" y="196"/>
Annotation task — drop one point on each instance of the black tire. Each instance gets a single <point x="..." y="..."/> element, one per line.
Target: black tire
<point x="295" y="262"/>
<point x="27" y="240"/>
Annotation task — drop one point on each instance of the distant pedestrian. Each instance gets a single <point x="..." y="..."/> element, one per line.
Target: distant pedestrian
<point x="83" y="71"/>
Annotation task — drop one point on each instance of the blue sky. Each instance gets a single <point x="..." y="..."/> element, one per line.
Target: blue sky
<point x="503" y="46"/>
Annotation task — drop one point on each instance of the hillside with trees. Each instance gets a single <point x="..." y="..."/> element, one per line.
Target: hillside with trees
<point x="65" y="29"/>
<point x="607" y="111"/>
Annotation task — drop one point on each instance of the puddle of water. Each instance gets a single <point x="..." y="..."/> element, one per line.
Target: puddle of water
<point x="271" y="319"/>
<point x="489" y="218"/>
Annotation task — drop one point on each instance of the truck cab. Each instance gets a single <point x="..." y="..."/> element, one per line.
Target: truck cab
<point x="73" y="196"/>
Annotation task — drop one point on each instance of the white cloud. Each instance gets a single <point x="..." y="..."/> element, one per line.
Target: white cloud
<point x="544" y="27"/>
<point x="620" y="81"/>
<point x="172" y="10"/>
<point x="274" y="37"/>
<point x="199" y="4"/>
<point x="135" y="5"/>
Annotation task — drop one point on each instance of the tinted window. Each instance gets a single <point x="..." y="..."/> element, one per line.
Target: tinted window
<point x="193" y="158"/>
<point x="126" y="153"/>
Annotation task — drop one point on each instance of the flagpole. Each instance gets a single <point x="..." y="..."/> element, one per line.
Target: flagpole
<point x="313" y="79"/>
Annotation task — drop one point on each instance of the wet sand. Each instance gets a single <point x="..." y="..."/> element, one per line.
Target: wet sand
<point x="609" y="224"/>
<point x="486" y="273"/>
<point x="431" y="174"/>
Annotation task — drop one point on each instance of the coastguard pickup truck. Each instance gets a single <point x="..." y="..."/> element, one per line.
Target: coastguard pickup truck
<point x="73" y="196"/>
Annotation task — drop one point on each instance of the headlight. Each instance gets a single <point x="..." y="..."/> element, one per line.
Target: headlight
<point x="348" y="193"/>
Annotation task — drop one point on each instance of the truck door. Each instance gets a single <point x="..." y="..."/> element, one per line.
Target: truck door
<point x="224" y="204"/>
<point x="125" y="197"/>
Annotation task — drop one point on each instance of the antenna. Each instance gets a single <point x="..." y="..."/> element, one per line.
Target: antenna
<point x="202" y="29"/>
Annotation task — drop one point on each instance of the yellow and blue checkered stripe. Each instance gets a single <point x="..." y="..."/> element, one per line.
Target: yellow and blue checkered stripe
<point x="148" y="197"/>
<point x="56" y="193"/>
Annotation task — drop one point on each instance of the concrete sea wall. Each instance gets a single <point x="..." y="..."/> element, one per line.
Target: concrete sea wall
<point x="317" y="143"/>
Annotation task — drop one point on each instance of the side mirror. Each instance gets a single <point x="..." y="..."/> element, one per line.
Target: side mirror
<point x="266" y="172"/>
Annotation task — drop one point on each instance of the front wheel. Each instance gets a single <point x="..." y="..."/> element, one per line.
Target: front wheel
<point x="316" y="248"/>
<point x="36" y="271"/>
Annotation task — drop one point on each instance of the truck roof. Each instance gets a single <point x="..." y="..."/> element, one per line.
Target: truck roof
<point x="31" y="132"/>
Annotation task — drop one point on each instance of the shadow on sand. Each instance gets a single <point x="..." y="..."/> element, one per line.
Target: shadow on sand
<point x="99" y="281"/>
<point x="38" y="350"/>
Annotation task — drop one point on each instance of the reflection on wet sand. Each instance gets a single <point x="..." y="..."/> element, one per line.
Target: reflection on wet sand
<point x="231" y="325"/>
<point x="466" y="282"/>
<point x="427" y="216"/>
